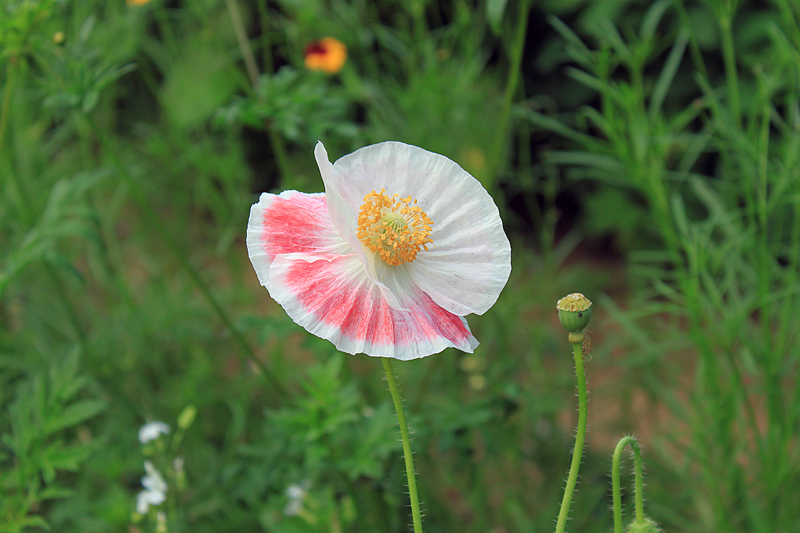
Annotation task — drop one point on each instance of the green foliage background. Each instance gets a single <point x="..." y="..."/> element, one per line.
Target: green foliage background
<point x="646" y="154"/>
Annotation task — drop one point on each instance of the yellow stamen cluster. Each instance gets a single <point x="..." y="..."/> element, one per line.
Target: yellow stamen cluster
<point x="393" y="227"/>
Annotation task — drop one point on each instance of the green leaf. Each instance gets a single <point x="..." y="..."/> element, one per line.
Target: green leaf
<point x="58" y="457"/>
<point x="652" y="19"/>
<point x="494" y="13"/>
<point x="26" y="522"/>
<point x="556" y="126"/>
<point x="75" y="414"/>
<point x="55" y="493"/>
<point x="668" y="74"/>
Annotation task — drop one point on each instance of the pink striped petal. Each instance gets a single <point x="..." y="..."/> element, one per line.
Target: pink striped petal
<point x="292" y="222"/>
<point x="335" y="299"/>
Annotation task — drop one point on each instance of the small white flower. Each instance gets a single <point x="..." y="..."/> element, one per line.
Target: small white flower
<point x="155" y="489"/>
<point x="146" y="498"/>
<point x="296" y="494"/>
<point x="153" y="481"/>
<point x="293" y="508"/>
<point x="151" y="431"/>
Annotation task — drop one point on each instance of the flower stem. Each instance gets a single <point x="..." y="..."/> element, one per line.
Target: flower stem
<point x="577" y="452"/>
<point x="401" y="419"/>
<point x="639" y="503"/>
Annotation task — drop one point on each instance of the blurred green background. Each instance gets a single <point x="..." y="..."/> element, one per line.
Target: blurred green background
<point x="646" y="154"/>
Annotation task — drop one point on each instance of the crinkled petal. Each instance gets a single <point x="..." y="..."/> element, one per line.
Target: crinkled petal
<point x="469" y="261"/>
<point x="335" y="299"/>
<point x="291" y="222"/>
<point x="295" y="222"/>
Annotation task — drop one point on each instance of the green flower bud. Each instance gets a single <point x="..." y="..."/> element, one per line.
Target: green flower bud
<point x="186" y="417"/>
<point x="574" y="312"/>
<point x="645" y="526"/>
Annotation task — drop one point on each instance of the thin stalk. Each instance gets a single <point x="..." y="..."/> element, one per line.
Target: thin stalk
<point x="638" y="482"/>
<point x="401" y="419"/>
<point x="164" y="26"/>
<point x="266" y="45"/>
<point x="510" y="89"/>
<point x="577" y="452"/>
<point x="729" y="58"/>
<point x="279" y="151"/>
<point x="278" y="148"/>
<point x="11" y="80"/>
<point x="159" y="228"/>
<point x="694" y="47"/>
<point x="241" y="36"/>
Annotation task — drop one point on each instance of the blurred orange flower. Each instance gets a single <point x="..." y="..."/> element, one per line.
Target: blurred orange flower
<point x="327" y="55"/>
<point x="137" y="2"/>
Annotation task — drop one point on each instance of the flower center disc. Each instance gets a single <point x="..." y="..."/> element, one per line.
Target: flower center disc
<point x="393" y="227"/>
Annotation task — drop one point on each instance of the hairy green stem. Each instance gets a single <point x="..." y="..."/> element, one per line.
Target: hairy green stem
<point x="401" y="419"/>
<point x="155" y="223"/>
<point x="638" y="483"/>
<point x="577" y="452"/>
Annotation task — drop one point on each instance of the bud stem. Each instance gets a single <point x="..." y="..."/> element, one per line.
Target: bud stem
<point x="577" y="452"/>
<point x="615" y="483"/>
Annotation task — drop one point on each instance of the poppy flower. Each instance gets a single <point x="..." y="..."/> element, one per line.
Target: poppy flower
<point x="401" y="246"/>
<point x="327" y="55"/>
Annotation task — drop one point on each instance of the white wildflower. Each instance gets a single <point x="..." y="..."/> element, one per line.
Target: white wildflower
<point x="155" y="489"/>
<point x="151" y="431"/>
<point x="296" y="494"/>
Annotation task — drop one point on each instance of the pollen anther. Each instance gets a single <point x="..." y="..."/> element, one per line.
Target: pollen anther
<point x="393" y="227"/>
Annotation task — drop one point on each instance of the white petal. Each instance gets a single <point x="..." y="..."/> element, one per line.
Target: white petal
<point x="153" y="481"/>
<point x="469" y="262"/>
<point x="344" y="216"/>
<point x="142" y="505"/>
<point x="146" y="498"/>
<point x="151" y="431"/>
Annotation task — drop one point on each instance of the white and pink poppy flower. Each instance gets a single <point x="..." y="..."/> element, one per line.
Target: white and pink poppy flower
<point x="401" y="246"/>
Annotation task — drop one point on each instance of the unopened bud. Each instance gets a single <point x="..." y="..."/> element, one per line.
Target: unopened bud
<point x="574" y="312"/>
<point x="186" y="417"/>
